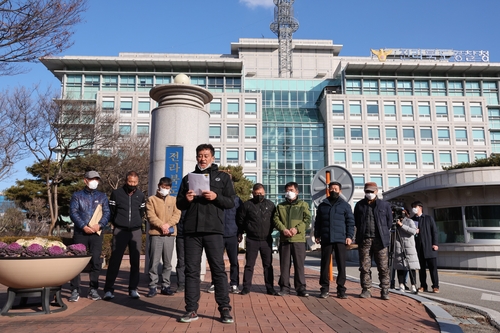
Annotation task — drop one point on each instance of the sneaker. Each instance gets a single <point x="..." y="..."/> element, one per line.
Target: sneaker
<point x="181" y="288"/>
<point x="93" y="295"/>
<point x="414" y="289"/>
<point x="152" y="292"/>
<point x="384" y="294"/>
<point x="402" y="287"/>
<point x="225" y="316"/>
<point x="244" y="291"/>
<point x="435" y="290"/>
<point x="324" y="294"/>
<point x="211" y="290"/>
<point x="75" y="296"/>
<point x="421" y="290"/>
<point x="134" y="294"/>
<point x="302" y="293"/>
<point x="108" y="295"/>
<point x="283" y="293"/>
<point x="365" y="293"/>
<point x="342" y="296"/>
<point x="234" y="290"/>
<point x="167" y="291"/>
<point x="188" y="317"/>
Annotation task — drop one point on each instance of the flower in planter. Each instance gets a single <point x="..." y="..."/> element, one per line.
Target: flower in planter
<point x="34" y="250"/>
<point x="14" y="250"/>
<point x="40" y="247"/>
<point x="55" y="251"/>
<point x="77" y="250"/>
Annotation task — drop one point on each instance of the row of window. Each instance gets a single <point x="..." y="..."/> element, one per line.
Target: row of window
<point x="423" y="135"/>
<point x="401" y="87"/>
<point x="393" y="158"/>
<point x="392" y="180"/>
<point x="125" y="129"/>
<point x="232" y="156"/>
<point x="424" y="110"/>
<point x="233" y="132"/>
<point x="233" y="107"/>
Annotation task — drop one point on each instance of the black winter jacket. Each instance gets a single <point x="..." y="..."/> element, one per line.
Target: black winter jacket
<point x="427" y="235"/>
<point x="127" y="211"/>
<point x="334" y="222"/>
<point x="256" y="219"/>
<point x="383" y="219"/>
<point x="230" y="226"/>
<point x="203" y="215"/>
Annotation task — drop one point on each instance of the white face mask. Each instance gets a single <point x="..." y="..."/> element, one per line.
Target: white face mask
<point x="164" y="191"/>
<point x="93" y="184"/>
<point x="414" y="210"/>
<point x="290" y="195"/>
<point x="208" y="166"/>
<point x="370" y="196"/>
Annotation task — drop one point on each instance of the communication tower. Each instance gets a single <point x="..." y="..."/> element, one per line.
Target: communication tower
<point x="284" y="26"/>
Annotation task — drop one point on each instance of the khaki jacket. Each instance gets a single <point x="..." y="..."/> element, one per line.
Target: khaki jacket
<point x="161" y="210"/>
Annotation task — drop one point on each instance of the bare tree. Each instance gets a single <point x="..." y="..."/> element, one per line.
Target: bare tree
<point x="38" y="215"/>
<point x="31" y="29"/>
<point x="54" y="130"/>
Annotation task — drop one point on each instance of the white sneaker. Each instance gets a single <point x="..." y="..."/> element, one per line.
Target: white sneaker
<point x="402" y="287"/>
<point x="108" y="295"/>
<point x="211" y="290"/>
<point x="413" y="289"/>
<point x="134" y="294"/>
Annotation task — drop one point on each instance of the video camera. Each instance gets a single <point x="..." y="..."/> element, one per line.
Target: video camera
<point x="397" y="214"/>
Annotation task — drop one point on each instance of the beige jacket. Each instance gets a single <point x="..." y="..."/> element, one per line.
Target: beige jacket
<point x="160" y="211"/>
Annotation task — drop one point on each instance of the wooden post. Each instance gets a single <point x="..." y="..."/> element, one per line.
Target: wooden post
<point x="328" y="180"/>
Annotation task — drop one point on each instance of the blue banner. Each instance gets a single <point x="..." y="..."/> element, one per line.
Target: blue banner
<point x="173" y="167"/>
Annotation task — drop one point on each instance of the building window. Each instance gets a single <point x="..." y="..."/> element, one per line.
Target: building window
<point x="422" y="88"/>
<point x="387" y="87"/>
<point x="359" y="181"/>
<point x="443" y="134"/>
<point x="445" y="158"/>
<point x="162" y="80"/>
<point x="214" y="132"/>
<point x="125" y="129"/>
<point x="424" y="110"/>
<point x="110" y="82"/>
<point x="92" y="80"/>
<point x="339" y="133"/>
<point x="232" y="156"/>
<point x="357" y="157"/>
<point x="356" y="134"/>
<point x="126" y="105"/>
<point x="251" y="156"/>
<point x="408" y="134"/>
<point x="427" y="158"/>
<point x="353" y="87"/>
<point x="391" y="134"/>
<point x="461" y="134"/>
<point x="426" y="134"/>
<point x="378" y="179"/>
<point x="410" y="157"/>
<point x="355" y="109"/>
<point x="251" y="177"/>
<point x="478" y="155"/>
<point x="216" y="84"/>
<point x="145" y="83"/>
<point x="233" y="132"/>
<point x="339" y="157"/>
<point x="143" y="129"/>
<point x="458" y="110"/>
<point x="393" y="181"/>
<point x="438" y="88"/>
<point x="405" y="88"/>
<point x="251" y="107"/>
<point x="251" y="132"/>
<point x="370" y="87"/>
<point x="472" y="88"/>
<point x="127" y="82"/>
<point x="216" y="106"/>
<point x="233" y="107"/>
<point x="372" y="109"/>
<point x="233" y="84"/>
<point x="108" y="104"/>
<point x="455" y="88"/>
<point x="406" y="109"/>
<point x="392" y="157"/>
<point x="462" y="157"/>
<point x="441" y="110"/>
<point x="375" y="157"/>
<point x="144" y="106"/>
<point x="373" y="134"/>
<point x="478" y="135"/>
<point x="410" y="178"/>
<point x="199" y="81"/>
<point x="338" y="108"/>
<point x="217" y="155"/>
<point x="476" y="111"/>
<point x="390" y="110"/>
<point x="73" y="87"/>
<point x="490" y="91"/>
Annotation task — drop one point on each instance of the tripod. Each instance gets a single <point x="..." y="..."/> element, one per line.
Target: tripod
<point x="396" y="237"/>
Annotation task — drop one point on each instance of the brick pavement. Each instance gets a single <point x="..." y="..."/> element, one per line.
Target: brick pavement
<point x="256" y="312"/>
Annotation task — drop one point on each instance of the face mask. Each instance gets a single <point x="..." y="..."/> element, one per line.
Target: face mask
<point x="370" y="196"/>
<point x="93" y="184"/>
<point x="130" y="188"/>
<point x="290" y="195"/>
<point x="199" y="167"/>
<point x="164" y="192"/>
<point x="334" y="195"/>
<point x="259" y="198"/>
<point x="414" y="210"/>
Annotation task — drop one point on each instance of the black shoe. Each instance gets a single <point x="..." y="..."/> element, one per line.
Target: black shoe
<point x="167" y="291"/>
<point x="188" y="317"/>
<point x="342" y="296"/>
<point x="302" y="293"/>
<point x="225" y="316"/>
<point x="272" y="292"/>
<point x="152" y="292"/>
<point x="244" y="291"/>
<point x="283" y="293"/>
<point x="324" y="294"/>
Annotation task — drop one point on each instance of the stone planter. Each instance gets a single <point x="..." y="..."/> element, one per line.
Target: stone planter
<point x="38" y="277"/>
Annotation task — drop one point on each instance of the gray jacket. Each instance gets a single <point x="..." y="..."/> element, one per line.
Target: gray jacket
<point x="405" y="238"/>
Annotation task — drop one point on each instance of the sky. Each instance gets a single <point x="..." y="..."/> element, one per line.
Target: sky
<point x="208" y="27"/>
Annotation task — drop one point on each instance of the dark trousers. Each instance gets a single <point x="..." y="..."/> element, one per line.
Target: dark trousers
<point x="431" y="264"/>
<point x="214" y="249"/>
<point x="179" y="268"/>
<point x="297" y="253"/>
<point x="93" y="242"/>
<point x="253" y="247"/>
<point x="402" y="276"/>
<point x="340" y="251"/>
<point x="122" y="239"/>
<point x="231" y="246"/>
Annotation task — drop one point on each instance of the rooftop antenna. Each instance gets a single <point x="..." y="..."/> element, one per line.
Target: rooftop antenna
<point x="284" y="26"/>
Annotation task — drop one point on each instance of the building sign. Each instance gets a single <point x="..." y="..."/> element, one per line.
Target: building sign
<point x="173" y="166"/>
<point x="432" y="54"/>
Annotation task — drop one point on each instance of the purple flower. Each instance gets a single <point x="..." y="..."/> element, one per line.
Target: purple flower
<point x="34" y="250"/>
<point x="55" y="251"/>
<point x="14" y="250"/>
<point x="77" y="249"/>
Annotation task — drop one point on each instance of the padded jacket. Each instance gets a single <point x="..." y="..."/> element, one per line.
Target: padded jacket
<point x="293" y="214"/>
<point x="383" y="219"/>
<point x="334" y="222"/>
<point x="127" y="211"/>
<point x="256" y="219"/>
<point x="83" y="205"/>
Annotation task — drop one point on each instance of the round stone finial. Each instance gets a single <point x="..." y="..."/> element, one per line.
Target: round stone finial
<point x="182" y="79"/>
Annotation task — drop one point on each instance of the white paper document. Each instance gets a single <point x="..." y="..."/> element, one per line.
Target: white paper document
<point x="199" y="182"/>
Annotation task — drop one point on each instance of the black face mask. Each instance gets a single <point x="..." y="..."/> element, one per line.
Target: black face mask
<point x="129" y="188"/>
<point x="334" y="195"/>
<point x="259" y="198"/>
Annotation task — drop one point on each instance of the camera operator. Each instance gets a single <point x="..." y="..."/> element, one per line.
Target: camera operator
<point x="405" y="252"/>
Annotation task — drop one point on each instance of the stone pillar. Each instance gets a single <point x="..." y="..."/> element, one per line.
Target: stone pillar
<point x="179" y="120"/>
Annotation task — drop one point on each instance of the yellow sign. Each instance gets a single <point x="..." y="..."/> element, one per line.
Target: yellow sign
<point x="381" y="54"/>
